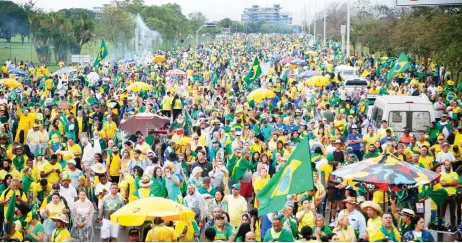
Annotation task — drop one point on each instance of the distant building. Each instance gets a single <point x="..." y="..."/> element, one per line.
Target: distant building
<point x="272" y="15"/>
<point x="99" y="9"/>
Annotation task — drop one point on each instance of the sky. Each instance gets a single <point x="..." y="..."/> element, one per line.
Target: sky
<point x="213" y="9"/>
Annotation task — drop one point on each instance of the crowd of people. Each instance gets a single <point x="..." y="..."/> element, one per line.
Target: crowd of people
<point x="68" y="163"/>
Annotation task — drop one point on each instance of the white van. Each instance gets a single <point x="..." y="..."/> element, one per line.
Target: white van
<point x="401" y="112"/>
<point x="346" y="72"/>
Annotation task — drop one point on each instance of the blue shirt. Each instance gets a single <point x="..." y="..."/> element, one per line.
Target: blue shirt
<point x="356" y="146"/>
<point x="292" y="128"/>
<point x="281" y="125"/>
<point x="266" y="131"/>
<point x="385" y="139"/>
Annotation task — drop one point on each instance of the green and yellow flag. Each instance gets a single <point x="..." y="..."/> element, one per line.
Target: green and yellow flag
<point x="9" y="215"/>
<point x="401" y="65"/>
<point x="102" y="53"/>
<point x="254" y="72"/>
<point x="296" y="176"/>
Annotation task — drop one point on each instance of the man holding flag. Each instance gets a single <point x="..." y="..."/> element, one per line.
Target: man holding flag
<point x="102" y="54"/>
<point x="9" y="199"/>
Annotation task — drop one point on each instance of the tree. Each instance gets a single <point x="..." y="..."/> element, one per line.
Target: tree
<point x="83" y="27"/>
<point x="13" y="19"/>
<point x="196" y="20"/>
<point x="40" y="31"/>
<point x="117" y="26"/>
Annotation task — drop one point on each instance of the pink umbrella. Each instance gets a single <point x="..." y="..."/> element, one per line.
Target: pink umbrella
<point x="144" y="122"/>
<point x="175" y="72"/>
<point x="287" y="60"/>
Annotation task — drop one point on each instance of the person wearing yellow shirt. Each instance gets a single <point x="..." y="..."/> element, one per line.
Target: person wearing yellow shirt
<point x="60" y="233"/>
<point x="425" y="159"/>
<point x="386" y="231"/>
<point x="370" y="138"/>
<point x="51" y="170"/>
<point x="306" y="217"/>
<point x="26" y="121"/>
<point x="5" y="71"/>
<point x="142" y="146"/>
<point x="167" y="105"/>
<point x="74" y="148"/>
<point x="41" y="190"/>
<point x="374" y="212"/>
<point x="382" y="132"/>
<point x="8" y="168"/>
<point x="113" y="162"/>
<point x="449" y="180"/>
<point x="109" y="128"/>
<point x="161" y="233"/>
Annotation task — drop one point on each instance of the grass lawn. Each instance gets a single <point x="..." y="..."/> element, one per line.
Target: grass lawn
<point x="26" y="51"/>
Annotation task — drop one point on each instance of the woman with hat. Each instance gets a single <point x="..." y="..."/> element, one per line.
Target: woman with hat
<point x="374" y="212"/>
<point x="60" y="233"/>
<point x="144" y="191"/>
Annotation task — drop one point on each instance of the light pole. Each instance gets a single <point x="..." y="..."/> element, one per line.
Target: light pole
<point x="314" y="27"/>
<point x="197" y="34"/>
<point x="348" y="31"/>
<point x="324" y="35"/>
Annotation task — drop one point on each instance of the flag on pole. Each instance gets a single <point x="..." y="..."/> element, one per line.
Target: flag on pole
<point x="189" y="122"/>
<point x="254" y="72"/>
<point x="296" y="176"/>
<point x="102" y="53"/>
<point x="401" y="65"/>
<point x="9" y="215"/>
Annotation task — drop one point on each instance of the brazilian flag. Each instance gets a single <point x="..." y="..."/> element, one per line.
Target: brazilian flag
<point x="102" y="54"/>
<point x="401" y="65"/>
<point x="254" y="72"/>
<point x="296" y="176"/>
<point x="9" y="216"/>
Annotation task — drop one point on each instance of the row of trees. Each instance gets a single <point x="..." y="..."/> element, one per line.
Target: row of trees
<point x="64" y="32"/>
<point x="426" y="33"/>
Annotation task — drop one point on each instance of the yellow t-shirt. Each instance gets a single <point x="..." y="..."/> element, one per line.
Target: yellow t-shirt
<point x="340" y="124"/>
<point x="60" y="235"/>
<point x="14" y="173"/>
<point x="110" y="129"/>
<point x="427" y="161"/>
<point x="76" y="149"/>
<point x="378" y="235"/>
<point x="378" y="197"/>
<point x="307" y="220"/>
<point x="161" y="233"/>
<point x="373" y="225"/>
<point x="239" y="206"/>
<point x="52" y="178"/>
<point x="55" y="209"/>
<point x="113" y="165"/>
<point x="8" y="194"/>
<point x="368" y="139"/>
<point x="449" y="177"/>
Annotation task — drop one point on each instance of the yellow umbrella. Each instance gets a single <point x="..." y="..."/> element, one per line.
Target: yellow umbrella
<point x="318" y="81"/>
<point x="10" y="83"/>
<point x="158" y="59"/>
<point x="146" y="209"/>
<point x="260" y="94"/>
<point x="138" y="86"/>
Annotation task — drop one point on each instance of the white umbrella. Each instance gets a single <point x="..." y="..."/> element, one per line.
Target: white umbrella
<point x="65" y="70"/>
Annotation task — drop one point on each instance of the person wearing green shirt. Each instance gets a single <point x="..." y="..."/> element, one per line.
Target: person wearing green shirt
<point x="277" y="233"/>
<point x="223" y="231"/>
<point x="35" y="232"/>
<point x="150" y="138"/>
<point x="320" y="228"/>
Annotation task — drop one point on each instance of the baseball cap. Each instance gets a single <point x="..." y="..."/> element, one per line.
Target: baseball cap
<point x="354" y="127"/>
<point x="134" y="232"/>
<point x="238" y="133"/>
<point x="71" y="161"/>
<point x="206" y="181"/>
<point x="236" y="186"/>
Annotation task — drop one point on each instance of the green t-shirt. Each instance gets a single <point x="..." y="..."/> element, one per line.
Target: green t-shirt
<point x="38" y="228"/>
<point x="223" y="236"/>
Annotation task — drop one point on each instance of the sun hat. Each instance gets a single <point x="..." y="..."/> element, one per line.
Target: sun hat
<point x="98" y="168"/>
<point x="145" y="182"/>
<point x="61" y="217"/>
<point x="373" y="205"/>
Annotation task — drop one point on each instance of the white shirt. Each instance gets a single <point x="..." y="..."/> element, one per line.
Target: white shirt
<point x="69" y="194"/>
<point x="438" y="109"/>
<point x="88" y="156"/>
<point x="442" y="156"/>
